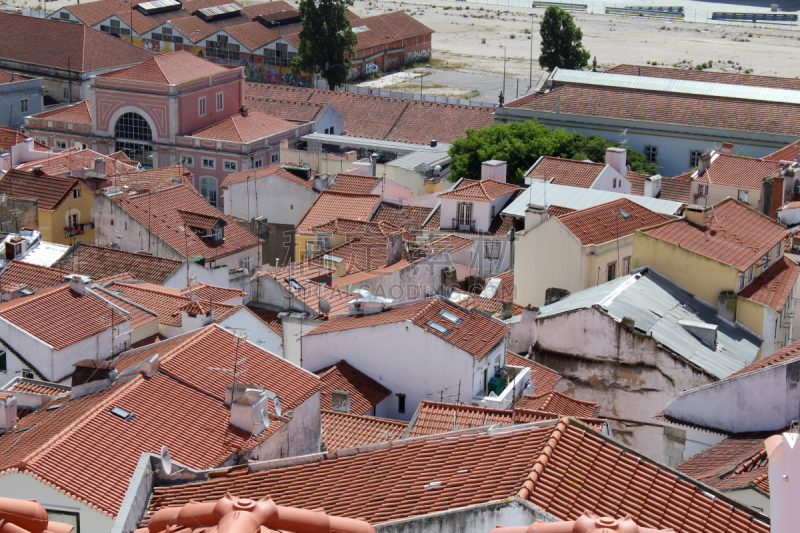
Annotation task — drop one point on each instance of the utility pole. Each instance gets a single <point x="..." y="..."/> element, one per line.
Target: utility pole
<point x="504" y="70"/>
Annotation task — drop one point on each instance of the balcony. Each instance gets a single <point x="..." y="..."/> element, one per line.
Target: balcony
<point x="80" y="229"/>
<point x="518" y="383"/>
<point x="463" y="226"/>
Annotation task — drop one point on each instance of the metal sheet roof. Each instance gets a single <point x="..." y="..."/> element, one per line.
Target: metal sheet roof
<point x="549" y="194"/>
<point x="657" y="306"/>
<point x="423" y="157"/>
<point x="376" y="144"/>
<point x="667" y="85"/>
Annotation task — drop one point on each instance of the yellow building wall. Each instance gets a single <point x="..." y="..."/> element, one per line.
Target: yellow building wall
<point x="300" y="244"/>
<point x="702" y="276"/>
<point x="751" y="315"/>
<point x="58" y="220"/>
<point x="597" y="259"/>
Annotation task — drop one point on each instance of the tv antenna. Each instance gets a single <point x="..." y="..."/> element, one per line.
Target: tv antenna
<point x="623" y="137"/>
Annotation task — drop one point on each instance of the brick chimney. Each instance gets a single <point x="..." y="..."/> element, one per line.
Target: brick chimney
<point x="727" y="148"/>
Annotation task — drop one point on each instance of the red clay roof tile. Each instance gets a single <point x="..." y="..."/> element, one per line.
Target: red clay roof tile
<point x="787" y="353"/>
<point x="269" y="317"/>
<point x="790" y="152"/>
<point x="77" y="159"/>
<point x="354" y="184"/>
<point x="604" y="223"/>
<point x="99" y="262"/>
<point x="557" y="402"/>
<point x="306" y="273"/>
<point x="175" y="68"/>
<point x="332" y="205"/>
<point x="167" y="303"/>
<point x="365" y="392"/>
<point x="272" y="170"/>
<point x="9" y="138"/>
<point x="244" y="128"/>
<point x="707" y="76"/>
<point x="775" y="285"/>
<point x="544" y="379"/>
<point x="153" y="179"/>
<point x="407" y="217"/>
<point x="49" y="191"/>
<point x="80" y="113"/>
<point x="566" y="171"/>
<point x="676" y="190"/>
<point x="19" y="273"/>
<point x="480" y="191"/>
<point x="737" y="171"/>
<point x="341" y="430"/>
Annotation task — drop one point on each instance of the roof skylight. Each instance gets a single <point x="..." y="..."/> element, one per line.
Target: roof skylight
<point x="450" y="316"/>
<point x="122" y="413"/>
<point x="438" y="327"/>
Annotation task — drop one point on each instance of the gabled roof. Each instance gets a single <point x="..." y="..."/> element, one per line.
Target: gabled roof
<point x="99" y="262"/>
<point x="735" y="234"/>
<point x="775" y="285"/>
<point x="408" y="217"/>
<point x="354" y="183"/>
<point x="139" y="315"/>
<point x="286" y="109"/>
<point x="268" y="317"/>
<point x="272" y="170"/>
<point x="342" y="430"/>
<point x="160" y="211"/>
<point x="557" y="402"/>
<point x="790" y="152"/>
<point x="787" y="353"/>
<point x="737" y="171"/>
<point x="153" y="179"/>
<point x="487" y="305"/>
<point x="49" y="191"/>
<point x="637" y="182"/>
<point x="175" y="68"/>
<point x="9" y="138"/>
<point x="305" y="274"/>
<point x="213" y="293"/>
<point x="570" y="172"/>
<point x="19" y="273"/>
<point x="544" y="379"/>
<point x="360" y="229"/>
<point x="332" y="205"/>
<point x="80" y="113"/>
<point x="77" y="159"/>
<point x="545" y="464"/>
<point x="52" y="43"/>
<point x="452" y="241"/>
<point x="480" y="191"/>
<point x="604" y="223"/>
<point x="476" y="333"/>
<point x="244" y="128"/>
<point x="365" y="392"/>
<point x="253" y="35"/>
<point x="676" y="189"/>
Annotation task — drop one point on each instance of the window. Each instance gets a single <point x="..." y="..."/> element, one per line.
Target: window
<point x="401" y="403"/>
<point x="3" y="361"/>
<point x="626" y="266"/>
<point x="450" y="316"/>
<point x="42" y="140"/>
<point x="187" y="160"/>
<point x="280" y="56"/>
<point x="65" y="517"/>
<point x="27" y="373"/>
<point x="208" y="188"/>
<point x="73" y="220"/>
<point x="702" y="189"/>
<point x="220" y="101"/>
<point x="23" y="105"/>
<point x="122" y="413"/>
<point x="750" y="274"/>
<point x="766" y="260"/>
<point x="694" y="158"/>
<point x="126" y="225"/>
<point x="229" y="166"/>
<point x="778" y="250"/>
<point x="61" y="144"/>
<point x="340" y="401"/>
<point x="208" y="162"/>
<point x="614" y="183"/>
<point x="65" y="92"/>
<point x="76" y="193"/>
<point x="201" y="106"/>
<point x="741" y="282"/>
<point x="257" y="163"/>
<point x="464" y="215"/>
<point x="114" y="28"/>
<point x="323" y="242"/>
<point x="612" y="271"/>
<point x="166" y="35"/>
<point x="743" y="196"/>
<point x="64" y="15"/>
<point x="244" y="263"/>
<point x="651" y="153"/>
<point x="136" y="135"/>
<point x="112" y="221"/>
<point x="491" y="250"/>
<point x="221" y="49"/>
<point x="331" y="128"/>
<point x="493" y="212"/>
<point x="274" y="158"/>
<point x="438" y="327"/>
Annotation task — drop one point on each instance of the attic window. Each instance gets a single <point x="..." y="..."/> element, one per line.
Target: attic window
<point x="340" y="401"/>
<point x="293" y="284"/>
<point x="438" y="327"/>
<point x="451" y="317"/>
<point x="122" y="413"/>
<point x="26" y="428"/>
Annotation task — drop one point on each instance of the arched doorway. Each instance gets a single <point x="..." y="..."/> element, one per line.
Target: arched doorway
<point x="133" y="136"/>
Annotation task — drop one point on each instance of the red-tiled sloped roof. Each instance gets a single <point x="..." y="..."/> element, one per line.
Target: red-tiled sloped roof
<point x="269" y="317"/>
<point x="421" y="122"/>
<point x="354" y="184"/>
<point x="637" y="182"/>
<point x="359" y="229"/>
<point x="480" y="191"/>
<point x="507" y="289"/>
<point x="153" y="179"/>
<point x="341" y="430"/>
<point x="168" y="69"/>
<point x="544" y="379"/>
<point x="735" y="234"/>
<point x="365" y="392"/>
<point x="99" y="262"/>
<point x="707" y="76"/>
<point x="556" y="402"/>
<point x="253" y="35"/>
<point x="285" y="109"/>
<point x="35" y="386"/>
<point x="567" y="171"/>
<point x="9" y="138"/>
<point x="19" y="273"/>
<point x="212" y="293"/>
<point x="244" y="128"/>
<point x="557" y="210"/>
<point x="272" y="170"/>
<point x="604" y="223"/>
<point x="77" y="159"/>
<point x="784" y="354"/>
<point x="563" y="467"/>
<point x="452" y="241"/>
<point x="737" y="171"/>
<point x="790" y="152"/>
<point x="49" y="191"/>
<point x="139" y="317"/>
<point x="161" y="212"/>
<point x="775" y="285"/>
<point x="487" y="305"/>
<point x="476" y="334"/>
<point x="407" y="217"/>
<point x="80" y="113"/>
<point x="60" y="316"/>
<point x="677" y="189"/>
<point x="307" y="273"/>
<point x="332" y="205"/>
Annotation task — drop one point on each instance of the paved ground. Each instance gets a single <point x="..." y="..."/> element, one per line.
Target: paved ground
<point x="488" y="85"/>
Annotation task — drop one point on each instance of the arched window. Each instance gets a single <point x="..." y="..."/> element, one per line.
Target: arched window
<point x="208" y="188"/>
<point x="133" y="137"/>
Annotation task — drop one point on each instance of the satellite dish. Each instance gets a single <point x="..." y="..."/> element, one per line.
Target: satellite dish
<point x="324" y="306"/>
<point x="265" y="417"/>
<point x="278" y="406"/>
<point x="166" y="461"/>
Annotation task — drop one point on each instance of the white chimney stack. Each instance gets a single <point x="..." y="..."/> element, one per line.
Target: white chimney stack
<point x="247" y="402"/>
<point x="494" y="170"/>
<point x="784" y="481"/>
<point x="616" y="159"/>
<point x="77" y="283"/>
<point x="8" y="412"/>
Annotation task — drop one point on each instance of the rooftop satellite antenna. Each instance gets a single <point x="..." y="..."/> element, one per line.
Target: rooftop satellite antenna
<point x="324" y="306"/>
<point x="278" y="410"/>
<point x="265" y="417"/>
<point x="166" y="461"/>
<point x="624" y="137"/>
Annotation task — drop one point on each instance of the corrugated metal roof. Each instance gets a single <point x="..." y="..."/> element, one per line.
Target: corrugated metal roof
<point x="375" y="144"/>
<point x="668" y="85"/>
<point x="657" y="306"/>
<point x="423" y="157"/>
<point x="578" y="198"/>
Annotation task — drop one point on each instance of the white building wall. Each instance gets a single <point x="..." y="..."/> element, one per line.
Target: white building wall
<point x="294" y="327"/>
<point x="414" y="282"/>
<point x="257" y="331"/>
<point x="300" y="436"/>
<point x="605" y="181"/>
<point x="198" y="274"/>
<point x="789" y="217"/>
<point x="280" y="201"/>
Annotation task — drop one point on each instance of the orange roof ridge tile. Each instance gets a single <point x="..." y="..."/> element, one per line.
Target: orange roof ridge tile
<point x="544" y="458"/>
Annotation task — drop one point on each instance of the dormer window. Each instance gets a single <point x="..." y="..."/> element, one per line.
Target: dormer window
<point x="219" y="234"/>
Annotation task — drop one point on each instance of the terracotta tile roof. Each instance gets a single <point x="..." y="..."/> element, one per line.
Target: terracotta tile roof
<point x="670" y="108"/>
<point x="167" y="303"/>
<point x="452" y="241"/>
<point x="506" y="289"/>
<point x="354" y="184"/>
<point x="213" y="293"/>
<point x="566" y="171"/>
<point x="480" y="191"/>
<point x="244" y="128"/>
<point x="160" y="211"/>
<point x="637" y="182"/>
<point x="332" y="205"/>
<point x="387" y="28"/>
<point x="487" y="305"/>
<point x="676" y="190"/>
<point x="80" y="113"/>
<point x="435" y="417"/>
<point x="787" y="353"/>
<point x="253" y="35"/>
<point x="9" y="138"/>
<point x="139" y="316"/>
<point x="737" y="171"/>
<point x="9" y="77"/>
<point x="75" y="159"/>
<point x="142" y="23"/>
<point x="735" y="234"/>
<point x="707" y="76"/>
<point x="360" y="229"/>
<point x="557" y="210"/>
<point x="153" y="179"/>
<point x="670" y="420"/>
<point x="737" y="462"/>
<point x="434" y="220"/>
<point x="196" y="29"/>
<point x="405" y="216"/>
<point x="175" y="68"/>
<point x="476" y="334"/>
<point x="59" y="316"/>
<point x="597" y="225"/>
<point x="307" y="274"/>
<point x="49" y="191"/>
<point x="36" y="386"/>
<point x="544" y="379"/>
<point x="19" y="273"/>
<point x="52" y="43"/>
<point x="365" y="392"/>
<point x="272" y="170"/>
<point x="774" y="286"/>
<point x="99" y="262"/>
<point x="285" y="109"/>
<point x="377" y="117"/>
<point x="790" y="152"/>
<point x="269" y="317"/>
<point x="556" y="402"/>
<point x="341" y="431"/>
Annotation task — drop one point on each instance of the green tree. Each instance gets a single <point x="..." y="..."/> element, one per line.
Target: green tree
<point x="327" y="40"/>
<point x="561" y="41"/>
<point x="521" y="144"/>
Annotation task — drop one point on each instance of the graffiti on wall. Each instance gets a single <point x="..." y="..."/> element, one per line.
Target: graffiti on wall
<point x="355" y="72"/>
<point x="418" y="55"/>
<point x="393" y="61"/>
<point x="261" y="73"/>
<point x="370" y="68"/>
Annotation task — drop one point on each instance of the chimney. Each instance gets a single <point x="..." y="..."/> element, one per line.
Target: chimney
<point x="243" y="110"/>
<point x="494" y="170"/>
<point x="535" y="215"/>
<point x="394" y="248"/>
<point x="727" y="148"/>
<point x="434" y="143"/>
<point x="553" y="294"/>
<point x="726" y="305"/>
<point x="8" y="412"/>
<point x="652" y="186"/>
<point x="783" y="454"/>
<point x="78" y="283"/>
<point x="100" y="166"/>
<point x="697" y="215"/>
<point x="321" y="183"/>
<point x="616" y="159"/>
<point x="508" y="309"/>
<point x="37" y="169"/>
<point x="246" y="402"/>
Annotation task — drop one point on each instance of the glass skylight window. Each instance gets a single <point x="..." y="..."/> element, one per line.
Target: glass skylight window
<point x="450" y="316"/>
<point x="293" y="284"/>
<point x="122" y="413"/>
<point x="438" y="327"/>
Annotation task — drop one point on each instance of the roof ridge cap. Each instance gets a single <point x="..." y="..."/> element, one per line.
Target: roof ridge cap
<point x="19" y="261"/>
<point x="544" y="459"/>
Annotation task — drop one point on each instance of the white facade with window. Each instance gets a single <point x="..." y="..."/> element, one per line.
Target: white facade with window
<point x="281" y="201"/>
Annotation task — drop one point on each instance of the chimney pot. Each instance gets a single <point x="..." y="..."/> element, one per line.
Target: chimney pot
<point x="727" y="148"/>
<point x="434" y="143"/>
